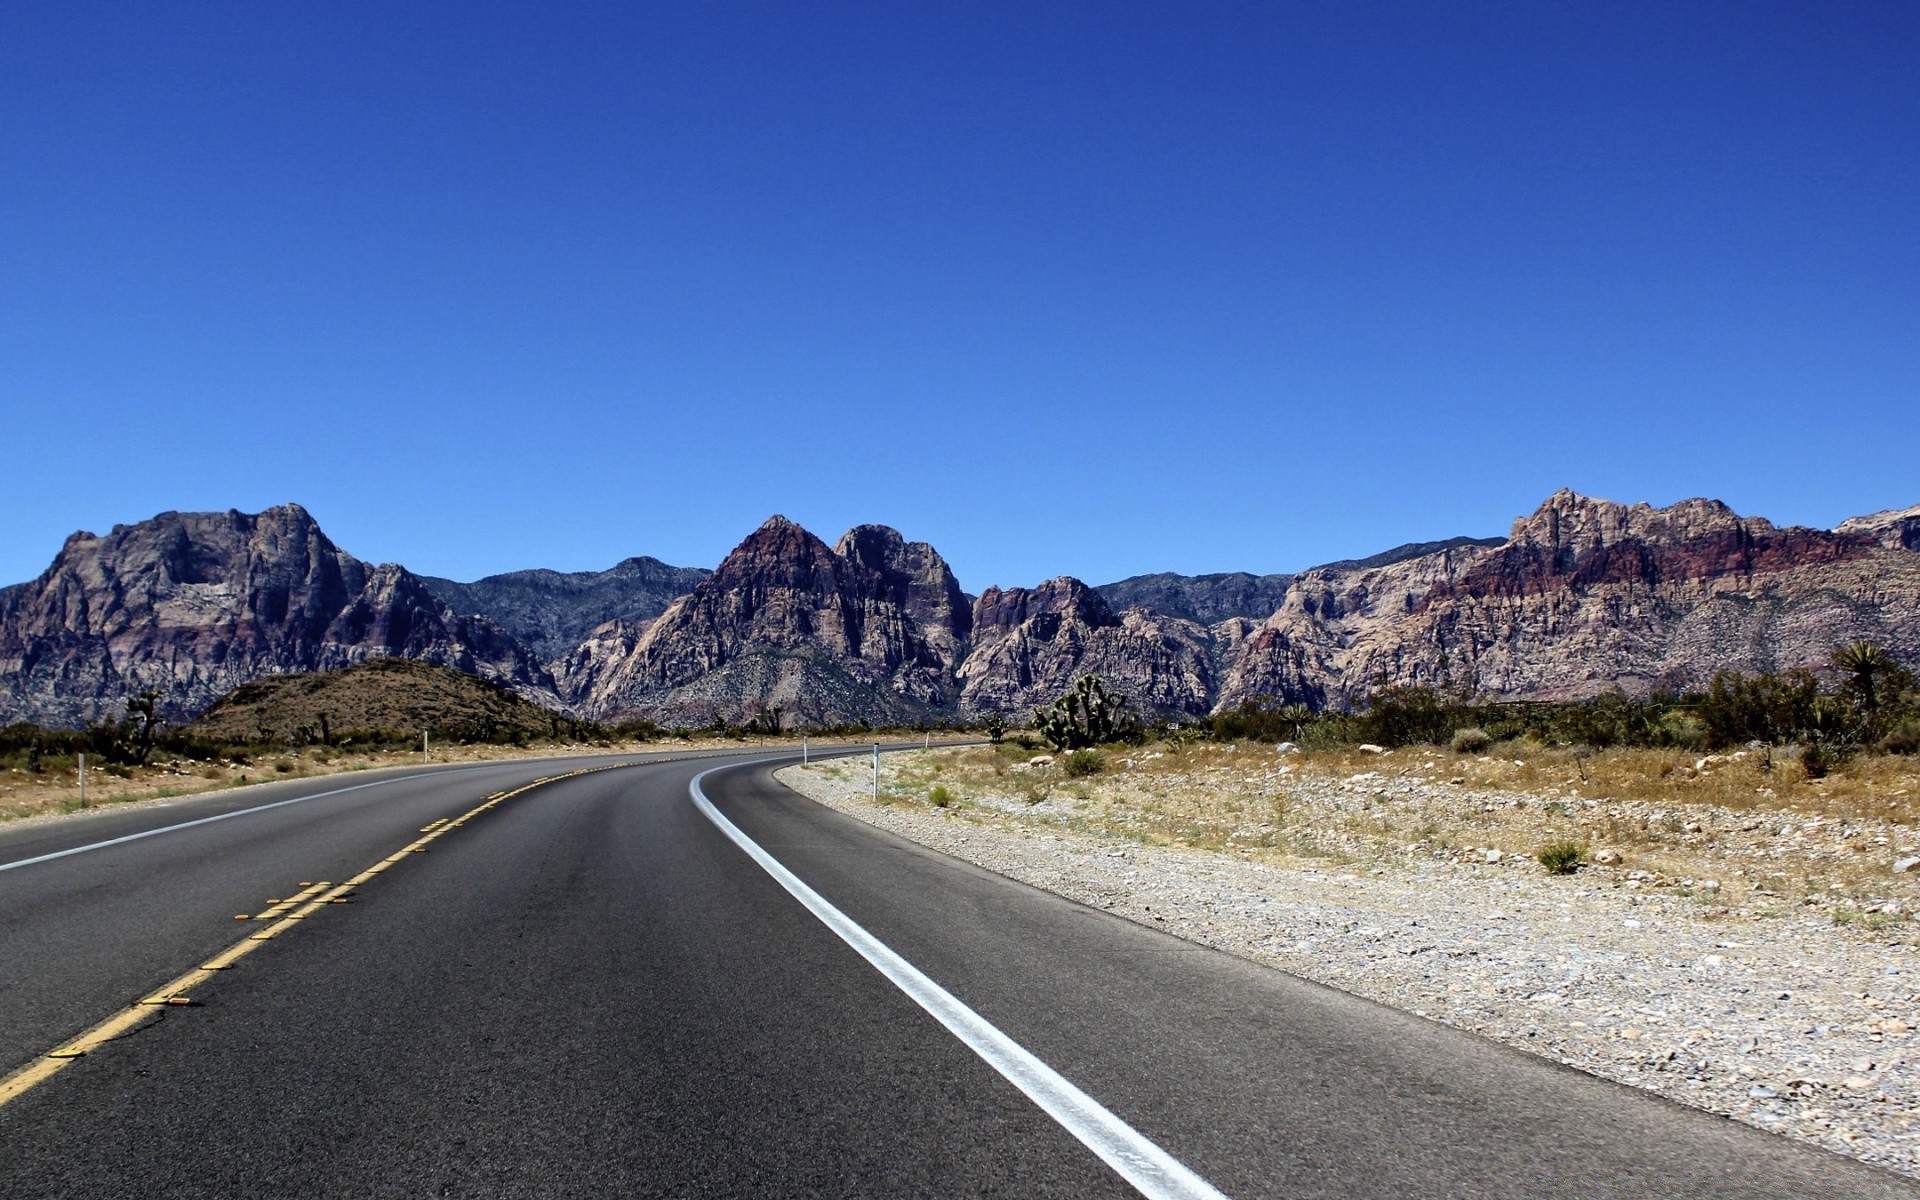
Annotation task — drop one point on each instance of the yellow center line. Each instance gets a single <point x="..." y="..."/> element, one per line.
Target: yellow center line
<point x="289" y="913"/>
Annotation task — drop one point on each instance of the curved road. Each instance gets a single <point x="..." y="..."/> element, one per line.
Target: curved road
<point x="588" y="986"/>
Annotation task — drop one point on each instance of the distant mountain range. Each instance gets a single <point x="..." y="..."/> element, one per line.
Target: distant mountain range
<point x="1583" y="596"/>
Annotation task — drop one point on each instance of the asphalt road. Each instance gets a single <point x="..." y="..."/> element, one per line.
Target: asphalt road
<point x="588" y="989"/>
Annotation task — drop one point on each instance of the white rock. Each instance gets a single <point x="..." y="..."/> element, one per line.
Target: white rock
<point x="1370" y="748"/>
<point x="1040" y="760"/>
<point x="1491" y="856"/>
<point x="1907" y="864"/>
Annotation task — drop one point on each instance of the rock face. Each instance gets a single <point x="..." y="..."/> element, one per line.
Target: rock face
<point x="1896" y="528"/>
<point x="871" y="629"/>
<point x="1586" y="597"/>
<point x="195" y="604"/>
<point x="554" y="611"/>
<point x="1031" y="644"/>
<point x="1207" y="599"/>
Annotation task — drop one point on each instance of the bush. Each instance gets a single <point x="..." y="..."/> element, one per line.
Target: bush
<point x="1471" y="741"/>
<point x="1904" y="738"/>
<point x="1562" y="858"/>
<point x="1816" y="761"/>
<point x="940" y="797"/>
<point x="1403" y="716"/>
<point x="1082" y="763"/>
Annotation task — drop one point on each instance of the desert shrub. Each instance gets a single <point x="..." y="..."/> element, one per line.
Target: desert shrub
<point x="1903" y="738"/>
<point x="1562" y="858"/>
<point x="1816" y="760"/>
<point x="940" y="797"/>
<point x="1082" y="763"/>
<point x="284" y="766"/>
<point x="1402" y="716"/>
<point x="1471" y="740"/>
<point x="1769" y="708"/>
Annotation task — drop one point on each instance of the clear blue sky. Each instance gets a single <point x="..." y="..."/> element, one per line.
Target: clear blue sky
<point x="1093" y="289"/>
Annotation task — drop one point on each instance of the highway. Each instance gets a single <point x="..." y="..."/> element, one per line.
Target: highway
<point x="678" y="978"/>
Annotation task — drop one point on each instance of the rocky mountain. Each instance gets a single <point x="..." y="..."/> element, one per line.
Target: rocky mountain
<point x="1588" y="596"/>
<point x="1207" y="599"/>
<point x="1896" y="528"/>
<point x="1031" y="644"/>
<point x="1583" y="596"/>
<point x="195" y="604"/>
<point x="869" y="629"/>
<point x="554" y="611"/>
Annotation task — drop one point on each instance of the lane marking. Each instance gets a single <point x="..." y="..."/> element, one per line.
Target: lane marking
<point x="1142" y="1163"/>
<point x="315" y="897"/>
<point x="290" y="912"/>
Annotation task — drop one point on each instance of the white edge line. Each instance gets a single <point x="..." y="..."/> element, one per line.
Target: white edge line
<point x="1155" y="1173"/>
<point x="238" y="812"/>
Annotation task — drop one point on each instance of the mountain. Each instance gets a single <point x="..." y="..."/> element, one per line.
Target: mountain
<point x="1211" y="599"/>
<point x="379" y="696"/>
<point x="554" y="611"/>
<point x="1585" y="597"/>
<point x="1207" y="599"/>
<point x="1897" y="528"/>
<point x="1031" y="644"/>
<point x="195" y="604"/>
<point x="869" y="629"/>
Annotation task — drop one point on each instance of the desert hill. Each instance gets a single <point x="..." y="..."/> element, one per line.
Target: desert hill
<point x="379" y="696"/>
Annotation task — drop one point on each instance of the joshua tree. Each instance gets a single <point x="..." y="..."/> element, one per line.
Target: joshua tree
<point x="1087" y="715"/>
<point x="140" y="709"/>
<point x="1297" y="717"/>
<point x="1871" y="673"/>
<point x="995" y="723"/>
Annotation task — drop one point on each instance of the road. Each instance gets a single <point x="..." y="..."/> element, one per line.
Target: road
<point x="589" y="988"/>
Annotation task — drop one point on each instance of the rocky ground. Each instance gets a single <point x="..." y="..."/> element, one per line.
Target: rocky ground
<point x="1744" y="947"/>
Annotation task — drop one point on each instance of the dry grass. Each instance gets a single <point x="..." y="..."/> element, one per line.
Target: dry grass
<point x="1746" y="834"/>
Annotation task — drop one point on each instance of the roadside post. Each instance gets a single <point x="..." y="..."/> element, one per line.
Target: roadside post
<point x="426" y="754"/>
<point x="83" y="781"/>
<point x="803" y="749"/>
<point x="876" y="772"/>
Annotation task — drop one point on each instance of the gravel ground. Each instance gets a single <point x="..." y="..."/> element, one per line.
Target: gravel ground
<point x="1784" y="1019"/>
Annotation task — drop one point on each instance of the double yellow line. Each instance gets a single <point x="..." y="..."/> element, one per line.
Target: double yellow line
<point x="285" y="914"/>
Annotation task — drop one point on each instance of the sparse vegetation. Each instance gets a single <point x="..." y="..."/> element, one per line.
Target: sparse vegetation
<point x="1081" y="763"/>
<point x="1471" y="740"/>
<point x="1562" y="857"/>
<point x="1868" y="701"/>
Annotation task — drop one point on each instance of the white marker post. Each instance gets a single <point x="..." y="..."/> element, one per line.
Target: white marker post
<point x="426" y="754"/>
<point x="876" y="772"/>
<point x="803" y="749"/>
<point x="926" y="741"/>
<point x="83" y="781"/>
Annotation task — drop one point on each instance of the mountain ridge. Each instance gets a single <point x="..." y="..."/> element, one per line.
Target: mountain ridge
<point x="1583" y="595"/>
